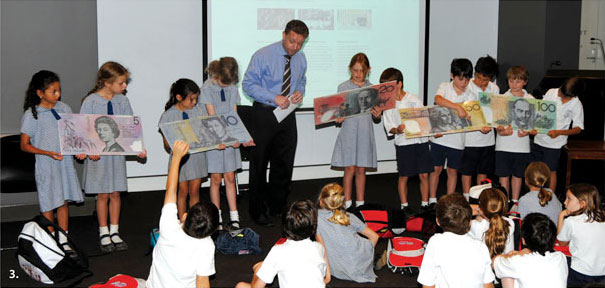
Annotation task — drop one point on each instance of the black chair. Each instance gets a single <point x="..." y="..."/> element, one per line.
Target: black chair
<point x="17" y="167"/>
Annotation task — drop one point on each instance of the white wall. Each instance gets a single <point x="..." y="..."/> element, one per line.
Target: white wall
<point x="161" y="41"/>
<point x="592" y="25"/>
<point x="459" y="29"/>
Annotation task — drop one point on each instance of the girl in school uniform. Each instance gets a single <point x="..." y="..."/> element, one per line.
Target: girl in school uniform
<point x="184" y="95"/>
<point x="355" y="147"/>
<point x="106" y="176"/>
<point x="582" y="227"/>
<point x="539" y="199"/>
<point x="56" y="179"/>
<point x="219" y="95"/>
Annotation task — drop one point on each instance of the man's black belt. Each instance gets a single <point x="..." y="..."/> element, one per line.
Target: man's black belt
<point x="262" y="105"/>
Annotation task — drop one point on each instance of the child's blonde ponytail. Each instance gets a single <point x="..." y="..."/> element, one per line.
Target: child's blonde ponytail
<point x="332" y="198"/>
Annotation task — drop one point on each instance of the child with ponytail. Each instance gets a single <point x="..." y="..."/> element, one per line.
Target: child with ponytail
<point x="540" y="198"/>
<point x="582" y="227"/>
<point x="56" y="179"/>
<point x="350" y="255"/>
<point x="491" y="225"/>
<point x="219" y="95"/>
<point x="105" y="176"/>
<point x="182" y="106"/>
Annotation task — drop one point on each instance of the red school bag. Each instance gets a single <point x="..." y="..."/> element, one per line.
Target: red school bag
<point x="405" y="254"/>
<point x="381" y="219"/>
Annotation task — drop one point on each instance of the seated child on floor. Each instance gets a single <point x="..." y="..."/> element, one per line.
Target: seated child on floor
<point x="184" y="253"/>
<point x="491" y="225"/>
<point x="537" y="265"/>
<point x="296" y="259"/>
<point x="452" y="259"/>
<point x="350" y="255"/>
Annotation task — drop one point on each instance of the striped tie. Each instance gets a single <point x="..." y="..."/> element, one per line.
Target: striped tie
<point x="285" y="86"/>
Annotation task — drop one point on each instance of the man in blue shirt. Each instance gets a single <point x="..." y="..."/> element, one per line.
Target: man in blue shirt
<point x="275" y="78"/>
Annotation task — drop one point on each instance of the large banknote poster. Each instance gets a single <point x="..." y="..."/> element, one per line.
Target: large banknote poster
<point x="207" y="132"/>
<point x="520" y="113"/>
<point x="428" y="121"/>
<point x="354" y="102"/>
<point x="93" y="134"/>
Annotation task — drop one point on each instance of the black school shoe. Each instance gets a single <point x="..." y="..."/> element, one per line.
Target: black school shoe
<point x="107" y="248"/>
<point x="119" y="246"/>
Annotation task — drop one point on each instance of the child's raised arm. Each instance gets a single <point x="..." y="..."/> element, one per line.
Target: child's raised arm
<point x="179" y="150"/>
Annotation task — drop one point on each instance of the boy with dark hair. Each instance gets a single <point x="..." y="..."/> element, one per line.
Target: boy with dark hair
<point x="450" y="146"/>
<point x="538" y="265"/>
<point x="184" y="254"/>
<point x="412" y="153"/>
<point x="478" y="155"/>
<point x="296" y="259"/>
<point x="452" y="259"/>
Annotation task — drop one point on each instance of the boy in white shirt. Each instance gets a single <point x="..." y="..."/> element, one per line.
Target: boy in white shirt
<point x="450" y="146"/>
<point x="537" y="265"/>
<point x="184" y="253"/>
<point x="452" y="259"/>
<point x="512" y="147"/>
<point x="478" y="155"/>
<point x="547" y="148"/>
<point x="296" y="259"/>
<point x="411" y="153"/>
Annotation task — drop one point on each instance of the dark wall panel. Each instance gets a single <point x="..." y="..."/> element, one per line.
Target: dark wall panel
<point x="56" y="35"/>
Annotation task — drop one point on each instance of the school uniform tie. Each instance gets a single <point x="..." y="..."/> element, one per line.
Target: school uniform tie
<point x="285" y="86"/>
<point x="223" y="99"/>
<point x="55" y="114"/>
<point x="109" y="108"/>
<point x="185" y="115"/>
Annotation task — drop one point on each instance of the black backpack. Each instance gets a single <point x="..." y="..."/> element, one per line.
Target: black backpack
<point x="43" y="258"/>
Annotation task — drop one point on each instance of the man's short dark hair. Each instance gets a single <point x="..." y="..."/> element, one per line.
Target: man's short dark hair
<point x="487" y="66"/>
<point x="299" y="27"/>
<point x="202" y="220"/>
<point x="301" y="220"/>
<point x="539" y="233"/>
<point x="454" y="214"/>
<point x="462" y="67"/>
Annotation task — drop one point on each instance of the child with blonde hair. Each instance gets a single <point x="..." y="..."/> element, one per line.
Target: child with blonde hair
<point x="540" y="198"/>
<point x="582" y="227"/>
<point x="350" y="255"/>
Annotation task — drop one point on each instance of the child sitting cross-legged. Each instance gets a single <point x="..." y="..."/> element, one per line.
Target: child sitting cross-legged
<point x="452" y="259"/>
<point x="296" y="259"/>
<point x="184" y="253"/>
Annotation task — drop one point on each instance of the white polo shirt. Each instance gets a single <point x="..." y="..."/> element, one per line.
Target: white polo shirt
<point x="533" y="270"/>
<point x="586" y="244"/>
<point x="476" y="138"/>
<point x="572" y="111"/>
<point x="392" y="119"/>
<point x="297" y="263"/>
<point x="452" y="260"/>
<point x="456" y="140"/>
<point x="514" y="143"/>
<point x="478" y="229"/>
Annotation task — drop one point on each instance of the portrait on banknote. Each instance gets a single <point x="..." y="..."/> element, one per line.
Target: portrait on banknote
<point x="207" y="132"/>
<point x="354" y="102"/>
<point x="521" y="114"/>
<point x="445" y="120"/>
<point x="93" y="134"/>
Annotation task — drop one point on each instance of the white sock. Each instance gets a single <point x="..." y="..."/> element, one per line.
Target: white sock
<point x="432" y="200"/>
<point x="424" y="203"/>
<point x="220" y="216"/>
<point x="113" y="229"/>
<point x="234" y="215"/>
<point x="403" y="205"/>
<point x="104" y="231"/>
<point x="359" y="203"/>
<point x="466" y="195"/>
<point x="348" y="204"/>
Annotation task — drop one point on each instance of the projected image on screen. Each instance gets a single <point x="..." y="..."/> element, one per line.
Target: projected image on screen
<point x="388" y="31"/>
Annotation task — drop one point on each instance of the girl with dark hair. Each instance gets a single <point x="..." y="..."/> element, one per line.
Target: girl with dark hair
<point x="182" y="105"/>
<point x="56" y="179"/>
